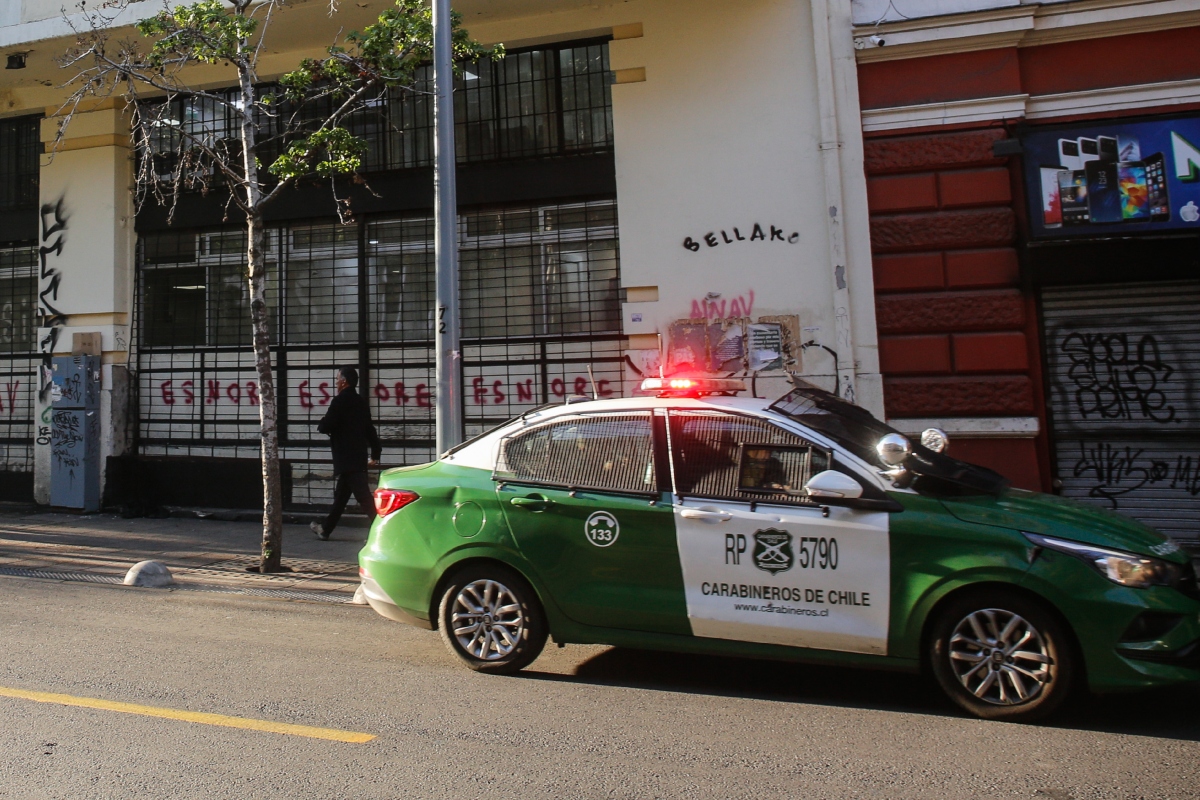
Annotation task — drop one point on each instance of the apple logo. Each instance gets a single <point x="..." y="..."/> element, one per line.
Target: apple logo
<point x="1190" y="213"/>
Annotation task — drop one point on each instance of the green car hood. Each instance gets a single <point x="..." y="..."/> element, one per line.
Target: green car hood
<point x="1055" y="516"/>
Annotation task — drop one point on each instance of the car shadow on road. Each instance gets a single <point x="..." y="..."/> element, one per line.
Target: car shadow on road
<point x="1169" y="713"/>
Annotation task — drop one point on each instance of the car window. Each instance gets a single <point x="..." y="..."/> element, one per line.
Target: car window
<point x="742" y="458"/>
<point x="592" y="451"/>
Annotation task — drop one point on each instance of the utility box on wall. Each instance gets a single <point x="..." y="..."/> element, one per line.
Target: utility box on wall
<point x="75" y="433"/>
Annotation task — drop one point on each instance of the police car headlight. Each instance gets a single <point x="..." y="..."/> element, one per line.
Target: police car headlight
<point x="1127" y="569"/>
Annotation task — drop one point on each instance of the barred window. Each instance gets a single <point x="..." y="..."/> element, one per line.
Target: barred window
<point x="593" y="451"/>
<point x="196" y="290"/>
<point x="20" y="144"/>
<point x="523" y="272"/>
<point x="18" y="299"/>
<point x="735" y="457"/>
<point x="548" y="101"/>
<point x="544" y="102"/>
<point x="540" y="313"/>
<point x="322" y="284"/>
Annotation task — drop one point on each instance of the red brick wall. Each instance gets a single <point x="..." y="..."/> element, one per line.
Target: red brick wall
<point x="954" y="326"/>
<point x="1125" y="60"/>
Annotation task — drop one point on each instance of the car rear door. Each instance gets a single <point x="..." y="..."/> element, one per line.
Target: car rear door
<point x="761" y="562"/>
<point x="581" y="496"/>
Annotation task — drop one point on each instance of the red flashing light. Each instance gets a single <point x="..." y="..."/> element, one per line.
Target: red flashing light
<point x="667" y="387"/>
<point x="389" y="501"/>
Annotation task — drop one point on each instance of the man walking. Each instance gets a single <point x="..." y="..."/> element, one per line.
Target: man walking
<point x="348" y="424"/>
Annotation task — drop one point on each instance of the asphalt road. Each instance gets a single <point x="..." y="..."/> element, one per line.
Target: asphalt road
<point x="583" y="722"/>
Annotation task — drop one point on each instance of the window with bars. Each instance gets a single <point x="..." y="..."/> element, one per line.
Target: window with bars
<point x="364" y="295"/>
<point x="20" y="145"/>
<point x="196" y="292"/>
<point x="18" y="299"/>
<point x="18" y="321"/>
<point x="549" y="101"/>
<point x="740" y="458"/>
<point x="592" y="451"/>
<point x="523" y="272"/>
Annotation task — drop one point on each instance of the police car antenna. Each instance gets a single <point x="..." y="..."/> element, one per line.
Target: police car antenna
<point x="592" y="378"/>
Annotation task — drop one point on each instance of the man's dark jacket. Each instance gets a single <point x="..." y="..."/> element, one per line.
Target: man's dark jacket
<point x="348" y="423"/>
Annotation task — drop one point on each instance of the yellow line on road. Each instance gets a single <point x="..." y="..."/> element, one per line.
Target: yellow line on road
<point x="189" y="716"/>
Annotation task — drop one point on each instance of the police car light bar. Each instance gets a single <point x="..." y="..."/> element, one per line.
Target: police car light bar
<point x="692" y="386"/>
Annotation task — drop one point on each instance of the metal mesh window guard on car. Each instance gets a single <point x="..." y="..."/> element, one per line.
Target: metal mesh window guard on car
<point x="594" y="451"/>
<point x="18" y="365"/>
<point x="707" y="449"/>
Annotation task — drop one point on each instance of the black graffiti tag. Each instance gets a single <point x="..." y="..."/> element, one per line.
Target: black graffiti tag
<point x="1115" y="378"/>
<point x="1118" y="470"/>
<point x="49" y="316"/>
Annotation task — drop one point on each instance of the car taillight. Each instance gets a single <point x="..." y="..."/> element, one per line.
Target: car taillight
<point x="389" y="501"/>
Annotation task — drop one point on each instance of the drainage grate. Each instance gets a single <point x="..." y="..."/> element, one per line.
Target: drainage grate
<point x="86" y="577"/>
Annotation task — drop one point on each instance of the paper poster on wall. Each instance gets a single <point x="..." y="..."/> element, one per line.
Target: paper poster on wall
<point x="1114" y="178"/>
<point x="727" y="347"/>
<point x="766" y="347"/>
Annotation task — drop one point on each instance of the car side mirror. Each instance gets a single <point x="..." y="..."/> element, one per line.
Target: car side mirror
<point x="833" y="484"/>
<point x="893" y="449"/>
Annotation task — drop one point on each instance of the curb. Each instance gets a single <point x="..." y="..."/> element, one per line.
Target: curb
<point x="338" y="598"/>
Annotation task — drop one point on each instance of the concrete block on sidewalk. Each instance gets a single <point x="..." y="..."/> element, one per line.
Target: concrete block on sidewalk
<point x="149" y="573"/>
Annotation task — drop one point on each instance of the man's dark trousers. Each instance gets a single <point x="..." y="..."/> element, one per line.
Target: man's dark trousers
<point x="350" y="483"/>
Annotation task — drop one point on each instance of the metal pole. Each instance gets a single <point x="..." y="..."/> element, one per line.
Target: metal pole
<point x="449" y="359"/>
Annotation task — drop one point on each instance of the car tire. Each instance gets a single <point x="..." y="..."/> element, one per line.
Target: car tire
<point x="491" y="618"/>
<point x="1002" y="656"/>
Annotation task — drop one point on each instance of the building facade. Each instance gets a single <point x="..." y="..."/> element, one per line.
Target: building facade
<point x="658" y="184"/>
<point x="1031" y="169"/>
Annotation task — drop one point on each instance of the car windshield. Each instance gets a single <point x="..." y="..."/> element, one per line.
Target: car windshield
<point x="856" y="430"/>
<point x="845" y="423"/>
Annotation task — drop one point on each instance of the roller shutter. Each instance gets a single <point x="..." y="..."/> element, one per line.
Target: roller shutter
<point x="1123" y="369"/>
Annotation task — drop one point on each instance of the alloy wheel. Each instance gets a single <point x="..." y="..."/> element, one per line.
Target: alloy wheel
<point x="1000" y="657"/>
<point x="487" y="620"/>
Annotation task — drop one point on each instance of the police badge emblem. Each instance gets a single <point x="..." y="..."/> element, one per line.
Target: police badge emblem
<point x="773" y="551"/>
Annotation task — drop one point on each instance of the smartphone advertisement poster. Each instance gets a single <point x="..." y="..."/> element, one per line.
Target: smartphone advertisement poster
<point x="1114" y="179"/>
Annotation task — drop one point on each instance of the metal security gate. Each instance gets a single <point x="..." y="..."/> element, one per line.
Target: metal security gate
<point x="540" y="304"/>
<point x="1123" y="367"/>
<point x="18" y="326"/>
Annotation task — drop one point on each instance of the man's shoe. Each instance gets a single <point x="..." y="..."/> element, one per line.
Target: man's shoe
<point x="319" y="529"/>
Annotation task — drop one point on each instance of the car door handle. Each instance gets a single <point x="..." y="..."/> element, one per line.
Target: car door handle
<point x="534" y="502"/>
<point x="705" y="516"/>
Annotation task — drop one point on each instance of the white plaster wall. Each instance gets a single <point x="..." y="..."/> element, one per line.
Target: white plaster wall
<point x="93" y="185"/>
<point x="94" y="294"/>
<point x="725" y="133"/>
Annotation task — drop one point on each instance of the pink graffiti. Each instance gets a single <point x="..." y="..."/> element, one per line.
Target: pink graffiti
<point x="10" y="389"/>
<point x="740" y="306"/>
<point x="184" y="392"/>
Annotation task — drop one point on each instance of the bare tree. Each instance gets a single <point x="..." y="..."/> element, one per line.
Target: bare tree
<point x="187" y="139"/>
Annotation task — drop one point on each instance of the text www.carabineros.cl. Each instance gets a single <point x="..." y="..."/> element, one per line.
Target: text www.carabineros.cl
<point x="771" y="608"/>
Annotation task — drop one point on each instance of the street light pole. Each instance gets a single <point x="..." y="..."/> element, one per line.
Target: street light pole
<point x="449" y="419"/>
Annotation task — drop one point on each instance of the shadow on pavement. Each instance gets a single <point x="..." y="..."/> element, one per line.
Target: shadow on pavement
<point x="1163" y="713"/>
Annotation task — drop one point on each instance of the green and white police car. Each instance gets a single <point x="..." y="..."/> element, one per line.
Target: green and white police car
<point x="801" y="529"/>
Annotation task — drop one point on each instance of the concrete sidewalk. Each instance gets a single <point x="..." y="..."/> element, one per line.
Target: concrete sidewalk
<point x="201" y="553"/>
